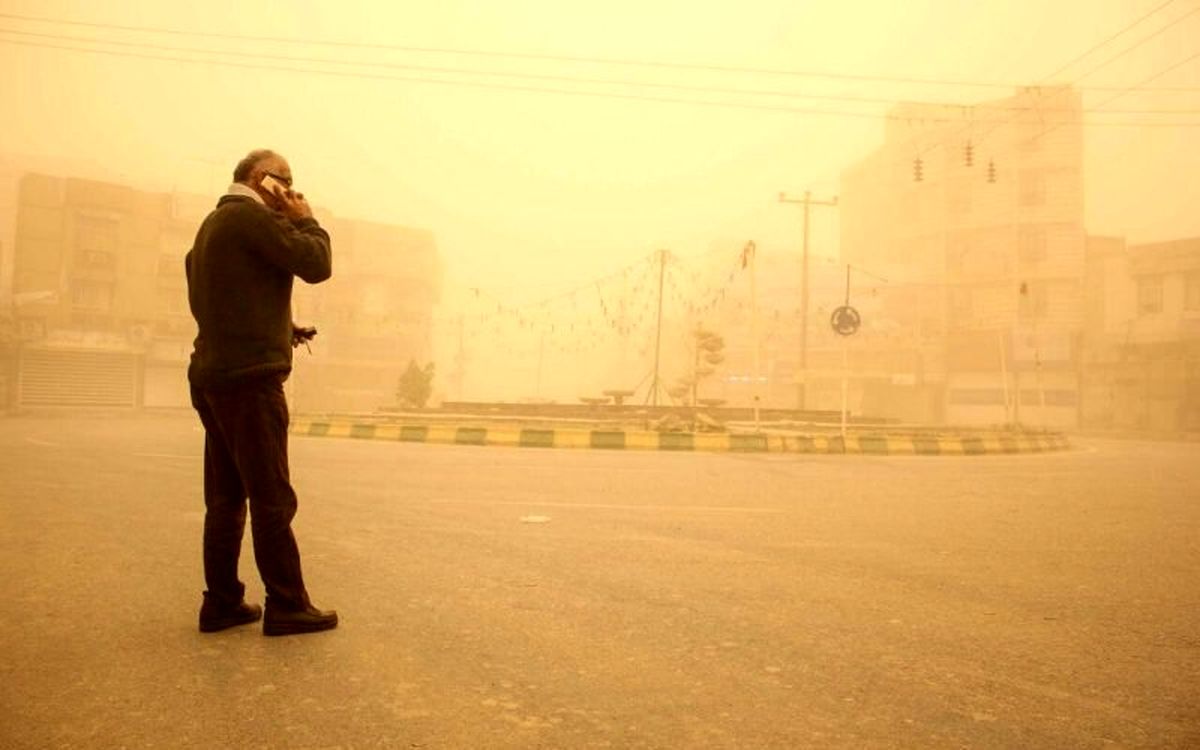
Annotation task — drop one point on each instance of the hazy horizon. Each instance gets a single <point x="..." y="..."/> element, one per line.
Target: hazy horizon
<point x="546" y="145"/>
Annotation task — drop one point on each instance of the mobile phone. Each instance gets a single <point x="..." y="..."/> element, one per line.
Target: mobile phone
<point x="273" y="186"/>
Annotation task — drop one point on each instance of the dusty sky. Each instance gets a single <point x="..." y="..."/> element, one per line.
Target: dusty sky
<point x="530" y="192"/>
<point x="555" y="186"/>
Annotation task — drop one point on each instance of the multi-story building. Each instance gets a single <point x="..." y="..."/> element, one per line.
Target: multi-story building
<point x="372" y="318"/>
<point x="100" y="312"/>
<point x="1141" y="364"/>
<point x="975" y="216"/>
<point x="98" y="296"/>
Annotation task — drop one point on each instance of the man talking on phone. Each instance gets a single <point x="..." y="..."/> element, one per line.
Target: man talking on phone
<point x="240" y="271"/>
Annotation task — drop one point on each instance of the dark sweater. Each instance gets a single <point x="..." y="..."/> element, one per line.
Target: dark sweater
<point x="239" y="274"/>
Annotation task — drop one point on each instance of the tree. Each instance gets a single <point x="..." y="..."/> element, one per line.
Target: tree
<point x="708" y="352"/>
<point x="415" y="386"/>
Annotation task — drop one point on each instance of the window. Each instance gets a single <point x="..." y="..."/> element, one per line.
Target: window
<point x="95" y="260"/>
<point x="93" y="233"/>
<point x="95" y="244"/>
<point x="91" y="295"/>
<point x="1035" y="301"/>
<point x="1031" y="245"/>
<point x="1191" y="291"/>
<point x="1149" y="295"/>
<point x="1033" y="188"/>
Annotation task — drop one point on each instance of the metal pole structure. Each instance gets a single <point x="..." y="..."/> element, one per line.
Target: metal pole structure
<point x="541" y="355"/>
<point x="1037" y="364"/>
<point x="460" y="361"/>
<point x="807" y="202"/>
<point x="662" y="270"/>
<point x="752" y="252"/>
<point x="845" y="378"/>
<point x="1004" y="377"/>
<point x="845" y="363"/>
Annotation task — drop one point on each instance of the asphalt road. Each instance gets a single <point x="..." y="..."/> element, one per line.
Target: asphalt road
<point x="520" y="598"/>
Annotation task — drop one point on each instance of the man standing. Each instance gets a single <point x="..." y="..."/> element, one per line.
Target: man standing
<point x="239" y="274"/>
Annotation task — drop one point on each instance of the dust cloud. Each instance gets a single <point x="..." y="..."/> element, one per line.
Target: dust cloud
<point x="544" y="204"/>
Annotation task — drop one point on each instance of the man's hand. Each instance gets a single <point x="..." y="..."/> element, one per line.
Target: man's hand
<point x="293" y="205"/>
<point x="302" y="335"/>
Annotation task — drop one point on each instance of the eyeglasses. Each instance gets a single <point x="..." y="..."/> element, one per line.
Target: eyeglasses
<point x="285" y="180"/>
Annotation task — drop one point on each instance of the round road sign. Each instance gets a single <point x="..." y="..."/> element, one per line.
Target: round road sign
<point x="845" y="320"/>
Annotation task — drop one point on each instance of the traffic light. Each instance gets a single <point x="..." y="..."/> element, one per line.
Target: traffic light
<point x="969" y="154"/>
<point x="991" y="170"/>
<point x="917" y="175"/>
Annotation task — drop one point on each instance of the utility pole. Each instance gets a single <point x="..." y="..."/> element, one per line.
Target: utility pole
<point x="460" y="361"/>
<point x="541" y="356"/>
<point x="807" y="201"/>
<point x="750" y="255"/>
<point x="662" y="271"/>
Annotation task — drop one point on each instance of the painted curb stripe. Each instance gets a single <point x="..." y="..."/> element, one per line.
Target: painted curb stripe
<point x="875" y="445"/>
<point x="973" y="446"/>
<point x="471" y="436"/>
<point x="643" y="441"/>
<point x="676" y="441"/>
<point x="926" y="446"/>
<point x="318" y="429"/>
<point x="747" y="443"/>
<point x="611" y="440"/>
<point x="536" y="438"/>
<point x="414" y="433"/>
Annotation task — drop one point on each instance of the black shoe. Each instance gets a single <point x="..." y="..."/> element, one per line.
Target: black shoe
<point x="214" y="616"/>
<point x="293" y="622"/>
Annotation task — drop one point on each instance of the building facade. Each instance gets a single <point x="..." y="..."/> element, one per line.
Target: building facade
<point x="372" y="317"/>
<point x="1141" y="368"/>
<point x="99" y="313"/>
<point x="974" y="215"/>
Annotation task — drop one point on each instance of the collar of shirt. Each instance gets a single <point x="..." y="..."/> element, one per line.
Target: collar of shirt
<point x="245" y="191"/>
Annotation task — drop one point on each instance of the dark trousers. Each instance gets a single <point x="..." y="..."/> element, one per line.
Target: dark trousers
<point x="245" y="455"/>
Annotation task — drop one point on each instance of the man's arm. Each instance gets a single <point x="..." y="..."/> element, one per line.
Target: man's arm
<point x="295" y="242"/>
<point x="302" y="247"/>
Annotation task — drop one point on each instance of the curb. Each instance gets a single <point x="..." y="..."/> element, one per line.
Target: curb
<point x="864" y="444"/>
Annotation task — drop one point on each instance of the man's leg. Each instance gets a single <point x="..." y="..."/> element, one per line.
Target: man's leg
<point x="225" y="511"/>
<point x="254" y="419"/>
<point x="224" y="526"/>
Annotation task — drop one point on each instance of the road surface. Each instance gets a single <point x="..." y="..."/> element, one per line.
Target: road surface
<point x="520" y="598"/>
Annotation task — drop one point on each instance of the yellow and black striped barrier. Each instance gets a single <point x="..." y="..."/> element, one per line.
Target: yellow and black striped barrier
<point x="879" y="444"/>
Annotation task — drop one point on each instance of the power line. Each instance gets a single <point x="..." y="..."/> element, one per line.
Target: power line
<point x="449" y="82"/>
<point x="1159" y="74"/>
<point x="1139" y="43"/>
<point x="628" y="62"/>
<point x="1100" y="44"/>
<point x="426" y="69"/>
<point x="1118" y="95"/>
<point x="532" y="76"/>
<point x="1121" y="91"/>
<point x="535" y="89"/>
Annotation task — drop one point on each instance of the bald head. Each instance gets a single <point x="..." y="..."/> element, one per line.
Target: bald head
<point x="259" y="163"/>
<point x="255" y="164"/>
